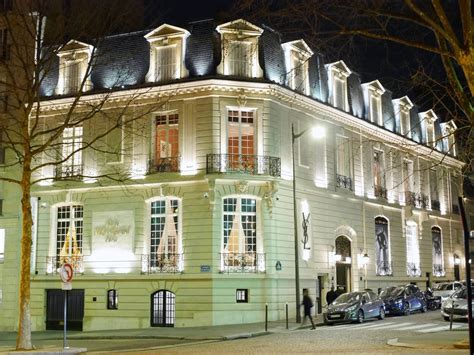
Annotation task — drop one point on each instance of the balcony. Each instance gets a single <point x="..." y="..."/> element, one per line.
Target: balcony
<point x="162" y="263"/>
<point x="380" y="192"/>
<point x="68" y="172"/>
<point x="416" y="199"/>
<point x="243" y="164"/>
<point x="344" y="182"/>
<point x="54" y="263"/>
<point x="243" y="262"/>
<point x="164" y="165"/>
<point x="383" y="268"/>
<point x="435" y="205"/>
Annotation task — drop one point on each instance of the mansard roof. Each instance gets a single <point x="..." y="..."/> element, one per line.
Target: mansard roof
<point x="122" y="61"/>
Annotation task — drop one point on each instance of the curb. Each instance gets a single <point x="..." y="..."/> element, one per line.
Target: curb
<point x="461" y="345"/>
<point x="394" y="342"/>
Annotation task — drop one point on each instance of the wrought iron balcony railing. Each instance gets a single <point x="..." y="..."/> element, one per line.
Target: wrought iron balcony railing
<point x="416" y="199"/>
<point x="383" y="268"/>
<point x="243" y="164"/>
<point x="380" y="191"/>
<point x="435" y="205"/>
<point x="243" y="262"/>
<point x="413" y="270"/>
<point x="164" y="165"/>
<point x="54" y="263"/>
<point x="68" y="171"/>
<point x="344" y="182"/>
<point x="162" y="263"/>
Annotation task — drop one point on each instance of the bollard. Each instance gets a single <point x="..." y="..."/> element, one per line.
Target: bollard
<point x="286" y="315"/>
<point x="451" y="316"/>
<point x="266" y="316"/>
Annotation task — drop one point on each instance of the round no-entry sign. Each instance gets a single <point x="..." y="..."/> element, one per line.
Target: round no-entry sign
<point x="66" y="273"/>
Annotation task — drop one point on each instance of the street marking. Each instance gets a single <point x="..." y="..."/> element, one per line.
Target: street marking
<point x="419" y="326"/>
<point x="439" y="329"/>
<point x="385" y="326"/>
<point x="355" y="326"/>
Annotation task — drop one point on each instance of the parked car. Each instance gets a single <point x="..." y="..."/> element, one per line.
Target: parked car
<point x="403" y="299"/>
<point x="457" y="304"/>
<point x="432" y="302"/>
<point x="355" y="307"/>
<point x="446" y="289"/>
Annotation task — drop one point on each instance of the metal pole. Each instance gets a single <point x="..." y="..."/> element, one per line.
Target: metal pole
<point x="295" y="225"/>
<point x="65" y="320"/>
<point x="467" y="258"/>
<point x="266" y="316"/>
<point x="286" y="306"/>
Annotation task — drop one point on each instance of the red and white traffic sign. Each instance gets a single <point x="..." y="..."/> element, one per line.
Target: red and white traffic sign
<point x="66" y="273"/>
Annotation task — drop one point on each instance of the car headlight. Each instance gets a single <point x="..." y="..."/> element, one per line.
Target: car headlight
<point x="399" y="302"/>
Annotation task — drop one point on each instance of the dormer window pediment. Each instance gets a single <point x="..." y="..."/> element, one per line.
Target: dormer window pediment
<point x="167" y="52"/>
<point x="297" y="55"/>
<point x="74" y="60"/>
<point x="448" y="130"/>
<point x="402" y="107"/>
<point x="429" y="118"/>
<point x="239" y="46"/>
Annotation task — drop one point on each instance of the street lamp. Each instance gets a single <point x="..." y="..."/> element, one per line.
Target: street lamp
<point x="318" y="132"/>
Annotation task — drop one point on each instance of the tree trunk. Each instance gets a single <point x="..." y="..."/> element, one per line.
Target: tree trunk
<point x="23" y="340"/>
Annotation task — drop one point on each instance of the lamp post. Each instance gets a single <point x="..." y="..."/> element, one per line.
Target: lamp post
<point x="318" y="132"/>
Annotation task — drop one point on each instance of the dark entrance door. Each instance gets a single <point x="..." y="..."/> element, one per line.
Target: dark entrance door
<point x="55" y="309"/>
<point x="319" y="293"/>
<point x="343" y="277"/>
<point x="163" y="309"/>
<point x="457" y="275"/>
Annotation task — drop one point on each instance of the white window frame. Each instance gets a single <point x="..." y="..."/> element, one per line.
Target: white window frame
<point x="375" y="104"/>
<point x="389" y="247"/>
<point x="408" y="169"/>
<point x="347" y="152"/>
<point x="166" y="127"/>
<point x="338" y="73"/>
<point x="442" y="272"/>
<point x="71" y="147"/>
<point x="166" y="71"/>
<point x="382" y="165"/>
<point x="120" y="145"/>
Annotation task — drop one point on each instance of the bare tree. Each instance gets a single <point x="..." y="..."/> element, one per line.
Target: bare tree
<point x="436" y="39"/>
<point x="34" y="143"/>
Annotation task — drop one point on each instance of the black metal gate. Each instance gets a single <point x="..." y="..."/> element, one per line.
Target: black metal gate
<point x="55" y="309"/>
<point x="163" y="309"/>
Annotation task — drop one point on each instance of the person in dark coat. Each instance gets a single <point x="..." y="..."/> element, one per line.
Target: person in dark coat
<point x="331" y="296"/>
<point x="307" y="305"/>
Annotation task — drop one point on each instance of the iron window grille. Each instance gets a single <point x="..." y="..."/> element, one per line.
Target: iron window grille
<point x="112" y="299"/>
<point x="242" y="295"/>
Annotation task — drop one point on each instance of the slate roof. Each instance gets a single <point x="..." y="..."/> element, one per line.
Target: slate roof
<point x="123" y="61"/>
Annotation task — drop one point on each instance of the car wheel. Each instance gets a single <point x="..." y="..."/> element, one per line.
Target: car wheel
<point x="360" y="316"/>
<point x="382" y="313"/>
<point x="446" y="318"/>
<point x="424" y="308"/>
<point x="406" y="309"/>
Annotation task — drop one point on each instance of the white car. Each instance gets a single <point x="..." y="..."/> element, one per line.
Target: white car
<point x="446" y="289"/>
<point x="456" y="305"/>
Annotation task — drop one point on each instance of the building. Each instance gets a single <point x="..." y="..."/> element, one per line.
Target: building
<point x="201" y="230"/>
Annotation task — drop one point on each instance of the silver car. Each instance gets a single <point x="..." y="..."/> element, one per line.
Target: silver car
<point x="456" y="304"/>
<point x="355" y="307"/>
<point x="446" y="289"/>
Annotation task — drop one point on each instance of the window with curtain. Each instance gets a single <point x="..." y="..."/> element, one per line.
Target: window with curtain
<point x="166" y="67"/>
<point x="299" y="75"/>
<point x="71" y="151"/>
<point x="239" y="227"/>
<point x="413" y="250"/>
<point x="430" y="136"/>
<point x="376" y="109"/>
<point x="69" y="235"/>
<point x="339" y="93"/>
<point x="343" y="156"/>
<point x="408" y="177"/>
<point x="405" y="122"/>
<point x="378" y="170"/>
<point x="239" y="58"/>
<point x="164" y="232"/>
<point x="167" y="136"/>
<point x="437" y="255"/>
<point x="241" y="139"/>
<point x="72" y="80"/>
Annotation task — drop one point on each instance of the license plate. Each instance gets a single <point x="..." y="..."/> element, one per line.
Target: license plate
<point x="335" y="316"/>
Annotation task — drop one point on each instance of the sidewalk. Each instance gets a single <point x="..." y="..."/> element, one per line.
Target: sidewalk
<point x="50" y="342"/>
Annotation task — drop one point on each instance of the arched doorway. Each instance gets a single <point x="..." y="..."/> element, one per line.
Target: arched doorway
<point x="163" y="308"/>
<point x="343" y="263"/>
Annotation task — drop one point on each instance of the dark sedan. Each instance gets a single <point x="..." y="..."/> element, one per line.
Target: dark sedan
<point x="403" y="299"/>
<point x="355" y="307"/>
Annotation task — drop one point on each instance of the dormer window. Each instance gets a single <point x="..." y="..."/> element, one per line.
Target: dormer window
<point x="297" y="54"/>
<point x="402" y="107"/>
<point x="338" y="73"/>
<point x="239" y="45"/>
<point x="167" y="52"/>
<point x="429" y="118"/>
<point x="373" y="92"/>
<point x="448" y="130"/>
<point x="74" y="68"/>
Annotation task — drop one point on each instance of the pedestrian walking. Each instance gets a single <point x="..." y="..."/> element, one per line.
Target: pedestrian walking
<point x="307" y="305"/>
<point x="331" y="296"/>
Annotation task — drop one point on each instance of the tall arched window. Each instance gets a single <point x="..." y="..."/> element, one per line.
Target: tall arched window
<point x="438" y="260"/>
<point x="163" y="305"/>
<point x="413" y="250"/>
<point x="69" y="233"/>
<point x="383" y="259"/>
